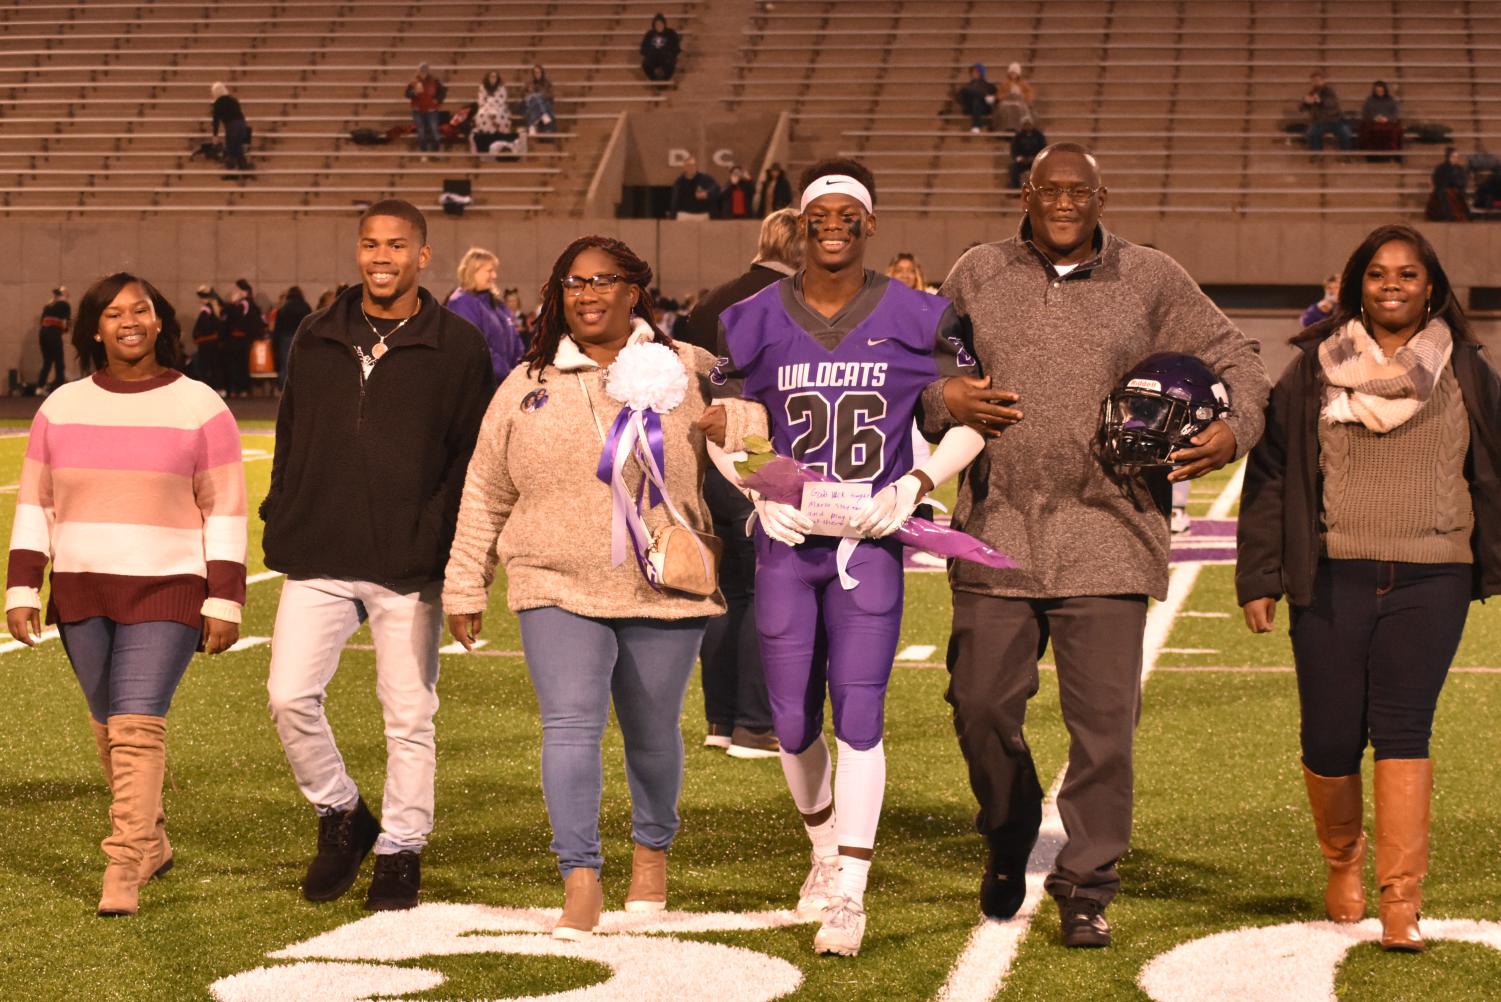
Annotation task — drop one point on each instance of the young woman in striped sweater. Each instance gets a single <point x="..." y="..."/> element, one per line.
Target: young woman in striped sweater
<point x="132" y="487"/>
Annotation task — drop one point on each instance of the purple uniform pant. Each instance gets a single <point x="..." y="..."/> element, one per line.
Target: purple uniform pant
<point x="815" y="633"/>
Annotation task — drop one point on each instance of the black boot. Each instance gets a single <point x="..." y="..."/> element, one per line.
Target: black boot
<point x="1003" y="886"/>
<point x="344" y="840"/>
<point x="398" y="877"/>
<point x="1082" y="922"/>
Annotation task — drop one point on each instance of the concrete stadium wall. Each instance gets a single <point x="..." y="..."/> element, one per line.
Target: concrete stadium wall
<point x="179" y="254"/>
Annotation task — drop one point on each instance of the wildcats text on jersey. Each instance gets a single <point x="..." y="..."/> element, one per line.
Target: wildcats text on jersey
<point x="806" y="375"/>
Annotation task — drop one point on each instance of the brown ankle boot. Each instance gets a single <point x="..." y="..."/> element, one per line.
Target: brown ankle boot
<point x="648" y="891"/>
<point x="1403" y="789"/>
<point x="159" y="860"/>
<point x="583" y="900"/>
<point x="137" y="754"/>
<point x="1338" y="820"/>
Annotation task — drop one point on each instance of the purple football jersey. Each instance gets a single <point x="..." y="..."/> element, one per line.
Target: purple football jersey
<point x="846" y="411"/>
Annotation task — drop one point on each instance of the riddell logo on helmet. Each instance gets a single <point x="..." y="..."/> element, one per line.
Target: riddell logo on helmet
<point x="1145" y="384"/>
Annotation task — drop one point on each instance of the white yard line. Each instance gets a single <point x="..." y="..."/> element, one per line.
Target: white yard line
<point x="16" y="645"/>
<point x="980" y="972"/>
<point x="262" y="576"/>
<point x="916" y="652"/>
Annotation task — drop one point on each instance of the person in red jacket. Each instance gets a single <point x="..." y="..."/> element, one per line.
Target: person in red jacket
<point x="426" y="93"/>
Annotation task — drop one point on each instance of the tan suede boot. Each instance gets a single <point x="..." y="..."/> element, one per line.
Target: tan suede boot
<point x="583" y="900"/>
<point x="1338" y="820"/>
<point x="1404" y="787"/>
<point x="160" y="858"/>
<point x="137" y="754"/>
<point x="648" y="891"/>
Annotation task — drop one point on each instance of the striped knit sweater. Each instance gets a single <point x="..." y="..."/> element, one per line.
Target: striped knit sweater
<point x="136" y="493"/>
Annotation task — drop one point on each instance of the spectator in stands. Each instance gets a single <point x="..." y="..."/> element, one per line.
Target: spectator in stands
<point x="736" y="706"/>
<point x="492" y="115"/>
<point x="290" y="313"/>
<point x="477" y="301"/>
<point x="1090" y="553"/>
<point x="1447" y="202"/>
<point x="977" y="98"/>
<point x="243" y="324"/>
<point x="523" y="320"/>
<point x="328" y="296"/>
<point x="659" y="50"/>
<point x="1380" y="120"/>
<point x="537" y="105"/>
<point x="738" y="197"/>
<point x="905" y="269"/>
<point x="1486" y="167"/>
<point x="1017" y="98"/>
<point x="1371" y="505"/>
<point x="1324" y="308"/>
<point x="227" y="114"/>
<point x="1025" y="145"/>
<point x="774" y="192"/>
<point x="426" y="94"/>
<point x="208" y="333"/>
<point x="694" y="194"/>
<point x="1324" y="114"/>
<point x="57" y="317"/>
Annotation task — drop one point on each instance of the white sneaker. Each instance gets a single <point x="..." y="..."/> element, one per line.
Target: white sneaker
<point x="842" y="930"/>
<point x="1179" y="523"/>
<point x="818" y="889"/>
<point x="974" y="130"/>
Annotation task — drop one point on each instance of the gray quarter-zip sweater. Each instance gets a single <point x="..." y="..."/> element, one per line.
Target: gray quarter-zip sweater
<point x="1040" y="493"/>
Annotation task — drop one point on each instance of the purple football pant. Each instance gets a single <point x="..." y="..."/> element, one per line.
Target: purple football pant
<point x="813" y="632"/>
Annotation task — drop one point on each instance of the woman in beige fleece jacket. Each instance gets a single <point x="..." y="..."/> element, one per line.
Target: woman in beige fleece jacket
<point x="592" y="629"/>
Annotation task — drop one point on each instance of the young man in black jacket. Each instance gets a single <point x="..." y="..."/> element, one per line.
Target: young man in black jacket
<point x="381" y="410"/>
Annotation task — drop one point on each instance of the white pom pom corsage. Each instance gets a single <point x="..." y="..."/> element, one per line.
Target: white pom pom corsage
<point x="647" y="376"/>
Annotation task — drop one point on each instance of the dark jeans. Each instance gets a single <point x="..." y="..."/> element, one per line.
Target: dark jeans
<point x="1372" y="652"/>
<point x="128" y="667"/>
<point x="659" y="68"/>
<point x="283" y="346"/>
<point x="52" y="357"/>
<point x="977" y="108"/>
<point x="427" y="129"/>
<point x="1339" y="129"/>
<point x="236" y="137"/>
<point x="992" y="660"/>
<point x="205" y="365"/>
<point x="1020" y="169"/>
<point x="234" y="360"/>
<point x="734" y="685"/>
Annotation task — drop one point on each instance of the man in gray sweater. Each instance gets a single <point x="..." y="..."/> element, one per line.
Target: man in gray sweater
<point x="1060" y="313"/>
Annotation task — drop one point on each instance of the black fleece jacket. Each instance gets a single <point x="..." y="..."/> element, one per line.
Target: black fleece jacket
<point x="1277" y="538"/>
<point x="367" y="474"/>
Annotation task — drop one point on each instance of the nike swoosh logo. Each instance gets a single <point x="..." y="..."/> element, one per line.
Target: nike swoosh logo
<point x="873" y="341"/>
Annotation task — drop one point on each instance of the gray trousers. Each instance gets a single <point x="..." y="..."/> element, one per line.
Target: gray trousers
<point x="992" y="659"/>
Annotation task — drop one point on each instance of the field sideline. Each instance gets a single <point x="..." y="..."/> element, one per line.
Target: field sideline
<point x="1223" y="840"/>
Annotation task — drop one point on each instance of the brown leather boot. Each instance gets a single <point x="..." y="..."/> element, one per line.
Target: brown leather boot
<point x="1338" y="819"/>
<point x="648" y="891"/>
<point x="160" y="859"/>
<point x="137" y="754"/>
<point x="1403" y="789"/>
<point x="583" y="900"/>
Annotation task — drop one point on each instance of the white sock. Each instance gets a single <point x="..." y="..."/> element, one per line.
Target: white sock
<point x="809" y="776"/>
<point x="824" y="837"/>
<point x="852" y="876"/>
<point x="858" y="791"/>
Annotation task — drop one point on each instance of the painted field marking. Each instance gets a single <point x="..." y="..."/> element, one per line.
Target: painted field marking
<point x="982" y="967"/>
<point x="246" y="643"/>
<point x="262" y="576"/>
<point x="458" y="648"/>
<point x="1195" y="614"/>
<point x="916" y="652"/>
<point x="16" y="645"/>
<point x="1189" y="650"/>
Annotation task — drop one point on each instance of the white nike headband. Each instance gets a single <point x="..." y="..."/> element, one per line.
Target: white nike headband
<point x="837" y="184"/>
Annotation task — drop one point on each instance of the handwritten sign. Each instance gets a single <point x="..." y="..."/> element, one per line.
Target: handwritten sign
<point x="831" y="506"/>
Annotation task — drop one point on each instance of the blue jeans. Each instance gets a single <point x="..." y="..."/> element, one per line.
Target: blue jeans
<point x="427" y="129"/>
<point x="577" y="665"/>
<point x="539" y="113"/>
<point x="128" y="667"/>
<point x="1338" y="129"/>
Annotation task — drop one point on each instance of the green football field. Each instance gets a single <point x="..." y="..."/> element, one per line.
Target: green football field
<point x="1223" y="841"/>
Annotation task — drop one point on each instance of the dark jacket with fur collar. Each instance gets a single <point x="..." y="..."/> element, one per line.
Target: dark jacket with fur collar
<point x="367" y="473"/>
<point x="1278" y="535"/>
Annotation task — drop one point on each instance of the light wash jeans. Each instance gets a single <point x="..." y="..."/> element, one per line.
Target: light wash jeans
<point x="577" y="665"/>
<point x="315" y="618"/>
<point x="128" y="667"/>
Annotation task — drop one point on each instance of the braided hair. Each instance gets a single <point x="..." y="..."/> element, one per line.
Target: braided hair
<point x="551" y="324"/>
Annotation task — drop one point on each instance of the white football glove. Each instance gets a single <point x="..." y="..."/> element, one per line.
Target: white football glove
<point x="783" y="522"/>
<point x="892" y="506"/>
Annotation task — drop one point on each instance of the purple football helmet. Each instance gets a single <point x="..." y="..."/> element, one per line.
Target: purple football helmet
<point x="1157" y="407"/>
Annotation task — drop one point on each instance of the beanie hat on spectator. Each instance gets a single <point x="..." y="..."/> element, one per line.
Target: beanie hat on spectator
<point x="981" y="68"/>
<point x="242" y="284"/>
<point x="1015" y="68"/>
<point x="218" y="89"/>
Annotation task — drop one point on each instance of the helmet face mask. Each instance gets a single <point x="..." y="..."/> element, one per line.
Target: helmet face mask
<point x="1157" y="408"/>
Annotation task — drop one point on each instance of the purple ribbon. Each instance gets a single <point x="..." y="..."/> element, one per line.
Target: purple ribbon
<point x="627" y="529"/>
<point x="655" y="441"/>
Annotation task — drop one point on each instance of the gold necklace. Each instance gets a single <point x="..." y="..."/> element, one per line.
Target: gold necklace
<point x="378" y="352"/>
